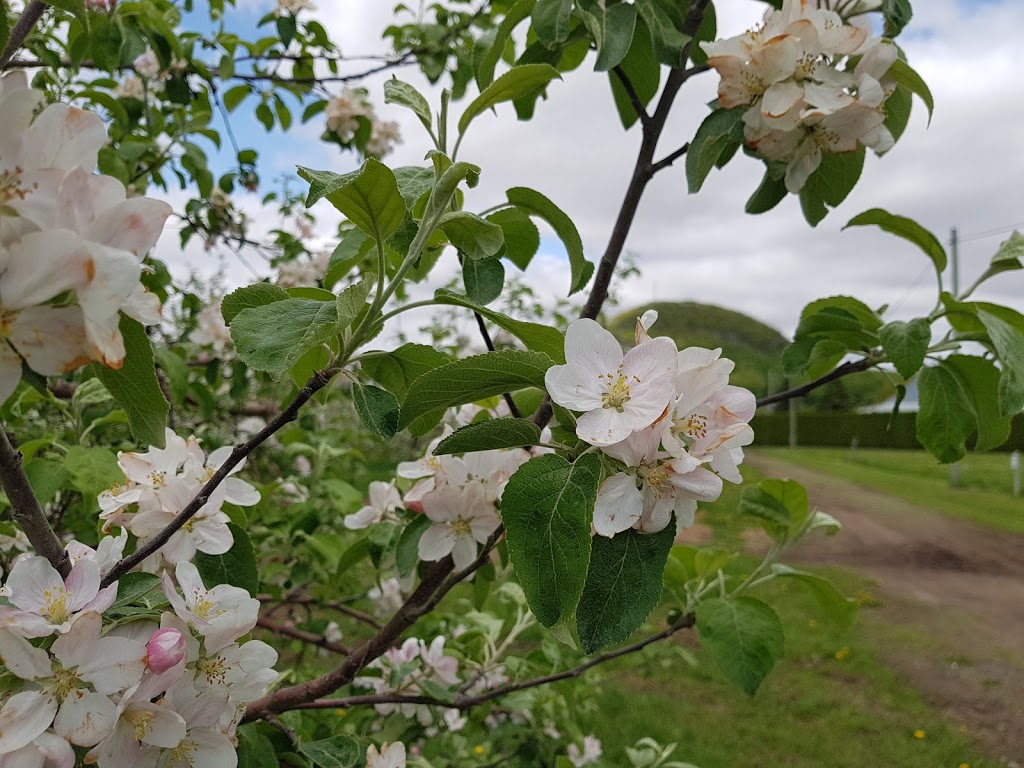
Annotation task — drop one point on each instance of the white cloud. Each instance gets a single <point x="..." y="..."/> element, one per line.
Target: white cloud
<point x="963" y="171"/>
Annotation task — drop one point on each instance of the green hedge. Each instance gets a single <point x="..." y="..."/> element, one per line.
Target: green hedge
<point x="838" y="429"/>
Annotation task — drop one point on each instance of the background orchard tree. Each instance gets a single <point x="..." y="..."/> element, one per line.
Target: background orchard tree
<point x="193" y="578"/>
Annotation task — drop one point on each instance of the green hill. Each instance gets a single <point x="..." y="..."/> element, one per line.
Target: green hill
<point x="753" y="346"/>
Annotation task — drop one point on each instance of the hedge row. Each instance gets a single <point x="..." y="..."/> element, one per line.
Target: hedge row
<point x="871" y="430"/>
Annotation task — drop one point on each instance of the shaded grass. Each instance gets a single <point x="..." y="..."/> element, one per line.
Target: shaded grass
<point x="830" y="703"/>
<point x="983" y="496"/>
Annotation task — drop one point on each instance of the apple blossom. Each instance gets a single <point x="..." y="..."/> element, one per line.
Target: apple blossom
<point x="221" y="614"/>
<point x="211" y="331"/>
<point x="462" y="517"/>
<point x="618" y="394"/>
<point x="384" y="500"/>
<point x="590" y="753"/>
<point x="390" y="756"/>
<point x="45" y="603"/>
<point x="165" y="649"/>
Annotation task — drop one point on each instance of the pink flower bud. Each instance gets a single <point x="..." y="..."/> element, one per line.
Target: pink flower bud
<point x="165" y="648"/>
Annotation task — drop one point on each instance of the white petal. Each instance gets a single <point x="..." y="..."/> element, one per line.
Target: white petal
<point x="619" y="505"/>
<point x="24" y="717"/>
<point x="592" y="347"/>
<point x="22" y="658"/>
<point x="606" y="426"/>
<point x="65" y="137"/>
<point x="436" y="542"/>
<point x="85" y="718"/>
<point x="51" y="339"/>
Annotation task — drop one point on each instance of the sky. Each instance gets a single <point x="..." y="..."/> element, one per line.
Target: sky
<point x="965" y="170"/>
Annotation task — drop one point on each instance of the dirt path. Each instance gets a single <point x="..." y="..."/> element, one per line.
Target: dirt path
<point x="958" y="585"/>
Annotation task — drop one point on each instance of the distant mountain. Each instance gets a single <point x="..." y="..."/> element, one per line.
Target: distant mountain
<point x="753" y="346"/>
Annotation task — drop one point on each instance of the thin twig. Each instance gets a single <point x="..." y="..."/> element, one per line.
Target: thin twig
<point x="365" y="618"/>
<point x="854" y="366"/>
<point x="512" y="407"/>
<point x="26" y="508"/>
<point x="300" y="634"/>
<point x="634" y="97"/>
<point x="666" y="161"/>
<point x="317" y="381"/>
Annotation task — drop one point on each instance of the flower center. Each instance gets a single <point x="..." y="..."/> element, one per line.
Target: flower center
<point x="184" y="753"/>
<point x="203" y="606"/>
<point x="617" y="394"/>
<point x="63" y="682"/>
<point x="213" y="669"/>
<point x="138" y="720"/>
<point x="460" y="527"/>
<point x="695" y="426"/>
<point x="11" y="186"/>
<point x="56" y="600"/>
<point x="157" y="478"/>
<point x="655" y="477"/>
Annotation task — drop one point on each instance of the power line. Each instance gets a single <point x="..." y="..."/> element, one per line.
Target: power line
<point x="991" y="232"/>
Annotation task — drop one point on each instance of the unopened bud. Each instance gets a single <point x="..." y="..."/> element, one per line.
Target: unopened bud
<point x="165" y="649"/>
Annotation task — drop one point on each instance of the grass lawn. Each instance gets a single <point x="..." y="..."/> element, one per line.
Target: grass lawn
<point x="829" y="704"/>
<point x="984" y="495"/>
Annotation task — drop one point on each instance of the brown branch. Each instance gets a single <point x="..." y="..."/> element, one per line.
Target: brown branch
<point x="26" y="509"/>
<point x="365" y="618"/>
<point x="300" y="634"/>
<point x="666" y="161"/>
<point x="512" y="407"/>
<point x="28" y="19"/>
<point x="468" y="702"/>
<point x="854" y="366"/>
<point x="317" y="381"/>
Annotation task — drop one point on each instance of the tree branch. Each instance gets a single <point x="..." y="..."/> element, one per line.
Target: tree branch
<point x="299" y="634"/>
<point x="512" y="407"/>
<point x="854" y="366"/>
<point x="365" y="618"/>
<point x="28" y="19"/>
<point x="318" y="381"/>
<point x="634" y="97"/>
<point x="671" y="158"/>
<point x="26" y="509"/>
<point x="468" y="702"/>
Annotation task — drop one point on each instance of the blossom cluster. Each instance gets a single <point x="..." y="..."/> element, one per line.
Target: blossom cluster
<point x="165" y="689"/>
<point x="670" y="418"/>
<point x="303" y="271"/>
<point x="71" y="242"/>
<point x="344" y="115"/>
<point x="159" y="484"/>
<point x="211" y="331"/>
<point x="802" y="104"/>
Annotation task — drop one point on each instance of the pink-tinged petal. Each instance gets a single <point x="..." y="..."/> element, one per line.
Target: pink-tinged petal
<point x="116" y="663"/>
<point x="463" y="552"/>
<point x="30" y="581"/>
<point x="606" y="426"/>
<point x="64" y="137"/>
<point x="83" y="583"/>
<point x="81" y="197"/>
<point x="591" y="347"/>
<point x="51" y="339"/>
<point x="43" y="265"/>
<point x="574" y="387"/>
<point x="57" y="753"/>
<point x="85" y="718"/>
<point x="24" y="717"/>
<point x="134" y="226"/>
<point x="10" y="371"/>
<point x="103" y="600"/>
<point x="164" y="649"/>
<point x="700" y="484"/>
<point x="436" y="542"/>
<point x="619" y="505"/>
<point x="22" y="658"/>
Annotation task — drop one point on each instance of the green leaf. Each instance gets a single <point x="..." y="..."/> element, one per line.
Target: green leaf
<point x="547" y="507"/>
<point x="979" y="379"/>
<point x="906" y="344"/>
<point x="135" y="387"/>
<point x="535" y="204"/>
<point x="839" y="609"/>
<point x="255" y="750"/>
<point x="743" y="636"/>
<point x="471" y="379"/>
<point x="946" y="417"/>
<point x="132" y="587"/>
<point x="257" y="295"/>
<point x="668" y="39"/>
<point x="518" y="82"/>
<point x="489" y="435"/>
<point x="175" y="371"/>
<point x="352" y="249"/>
<point x="612" y="27"/>
<point x="905" y="75"/>
<point x="92" y="471"/>
<point x="105" y="43"/>
<point x="397" y="370"/>
<point x="551" y="21"/>
<point x="236" y="567"/>
<point x="897" y="15"/>
<point x="1008" y="340"/>
<point x="721" y="129"/>
<point x="623" y="585"/>
<point x="536" y="337"/>
<point x="1008" y="258"/>
<point x="830" y="185"/>
<point x="405" y="95"/>
<point x="443" y="192"/>
<point x="273" y="337"/>
<point x="369" y="197"/>
<point x="407" y="552"/>
<point x="521" y="236"/>
<point x="378" y="409"/>
<point x="780" y="505"/>
<point x="515" y="15"/>
<point x="642" y="69"/>
<point x="473" y="236"/>
<point x="235" y="96"/>
<point x="769" y="194"/>
<point x="483" y="279"/>
<point x="351" y="301"/>
<point x="906" y="228"/>
<point x="335" y="752"/>
<point x="5" y="25"/>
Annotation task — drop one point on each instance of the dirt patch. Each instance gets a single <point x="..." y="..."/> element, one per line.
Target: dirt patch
<point x="958" y="585"/>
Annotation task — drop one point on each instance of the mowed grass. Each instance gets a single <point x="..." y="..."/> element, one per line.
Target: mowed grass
<point x="829" y="704"/>
<point x="984" y="494"/>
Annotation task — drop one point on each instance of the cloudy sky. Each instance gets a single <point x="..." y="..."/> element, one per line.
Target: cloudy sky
<point x="963" y="171"/>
